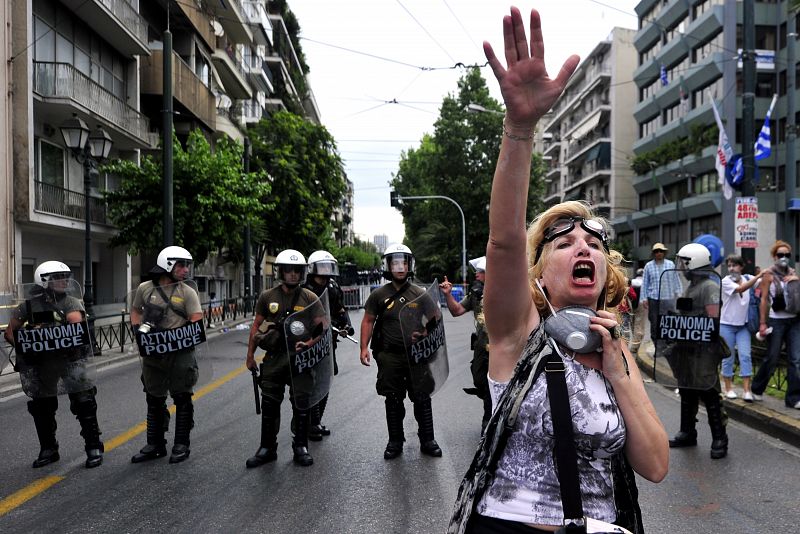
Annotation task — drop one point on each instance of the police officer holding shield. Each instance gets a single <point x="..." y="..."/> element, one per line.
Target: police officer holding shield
<point x="381" y="332"/>
<point x="322" y="270"/>
<point x="473" y="302"/>
<point x="165" y="303"/>
<point x="697" y="364"/>
<point x="44" y="372"/>
<point x="267" y="332"/>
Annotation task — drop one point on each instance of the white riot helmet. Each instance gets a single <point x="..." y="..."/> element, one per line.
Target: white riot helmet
<point x="397" y="252"/>
<point x="694" y="256"/>
<point x="287" y="258"/>
<point x="51" y="270"/>
<point x="168" y="257"/>
<point x="322" y="263"/>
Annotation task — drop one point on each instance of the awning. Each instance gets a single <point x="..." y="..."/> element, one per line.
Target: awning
<point x="601" y="152"/>
<point x="586" y="127"/>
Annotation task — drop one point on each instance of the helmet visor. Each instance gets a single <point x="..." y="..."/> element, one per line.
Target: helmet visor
<point x="398" y="263"/>
<point x="325" y="268"/>
<point x="182" y="269"/>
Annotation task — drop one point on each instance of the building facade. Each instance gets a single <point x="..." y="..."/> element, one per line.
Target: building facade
<point x="588" y="134"/>
<point x="687" y="54"/>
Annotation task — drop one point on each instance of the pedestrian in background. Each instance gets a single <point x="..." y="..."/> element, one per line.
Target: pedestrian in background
<point x="657" y="292"/>
<point x="780" y="325"/>
<point x="164" y="303"/>
<point x="639" y="314"/>
<point x="733" y="326"/>
<point x="267" y="332"/>
<point x="473" y="301"/>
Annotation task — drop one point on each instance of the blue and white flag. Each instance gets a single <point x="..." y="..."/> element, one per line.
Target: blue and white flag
<point x="664" y="79"/>
<point x="763" y="147"/>
<point x="724" y="154"/>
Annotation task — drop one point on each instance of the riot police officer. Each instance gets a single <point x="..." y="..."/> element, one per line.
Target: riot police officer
<point x="43" y="373"/>
<point x="697" y="364"/>
<point x="267" y="332"/>
<point x="167" y="302"/>
<point x="473" y="301"/>
<point x="322" y="270"/>
<point x="381" y="332"/>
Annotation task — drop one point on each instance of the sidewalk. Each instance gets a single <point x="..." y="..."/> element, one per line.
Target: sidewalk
<point x="9" y="381"/>
<point x="770" y="416"/>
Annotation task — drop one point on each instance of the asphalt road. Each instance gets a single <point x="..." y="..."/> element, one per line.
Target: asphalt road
<point x="350" y="487"/>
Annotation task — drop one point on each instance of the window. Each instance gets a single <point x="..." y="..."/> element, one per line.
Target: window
<point x="648" y="236"/>
<point x="649" y="199"/>
<point x="50" y="163"/>
<point x="707" y="225"/>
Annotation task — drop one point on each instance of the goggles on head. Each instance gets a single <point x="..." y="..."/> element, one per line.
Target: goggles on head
<point x="566" y="225"/>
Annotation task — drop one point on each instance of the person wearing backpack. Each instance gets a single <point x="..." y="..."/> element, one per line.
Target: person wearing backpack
<point x="780" y="324"/>
<point x="733" y="325"/>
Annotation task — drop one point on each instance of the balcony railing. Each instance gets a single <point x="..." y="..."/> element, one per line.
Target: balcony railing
<point x="56" y="200"/>
<point x="132" y="20"/>
<point x="62" y="80"/>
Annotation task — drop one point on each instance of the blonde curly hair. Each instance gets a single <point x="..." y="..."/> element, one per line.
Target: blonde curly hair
<point x="616" y="280"/>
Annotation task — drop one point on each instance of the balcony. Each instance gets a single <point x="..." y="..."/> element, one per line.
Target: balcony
<point x="187" y="88"/>
<point x="234" y="21"/>
<point x="116" y="21"/>
<point x="61" y="89"/>
<point x="55" y="200"/>
<point x="230" y="69"/>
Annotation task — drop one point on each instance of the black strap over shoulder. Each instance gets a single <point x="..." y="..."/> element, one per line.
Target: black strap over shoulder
<point x="385" y="304"/>
<point x="168" y="302"/>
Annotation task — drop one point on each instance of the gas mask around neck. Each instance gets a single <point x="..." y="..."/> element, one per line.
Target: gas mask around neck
<point x="569" y="327"/>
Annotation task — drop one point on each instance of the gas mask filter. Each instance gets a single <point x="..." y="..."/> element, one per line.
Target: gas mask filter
<point x="569" y="327"/>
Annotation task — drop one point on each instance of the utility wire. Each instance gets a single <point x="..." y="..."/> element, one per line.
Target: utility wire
<point x="425" y="30"/>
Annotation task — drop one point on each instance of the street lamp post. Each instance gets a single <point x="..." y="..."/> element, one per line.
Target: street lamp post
<point x="463" y="228"/>
<point x="87" y="150"/>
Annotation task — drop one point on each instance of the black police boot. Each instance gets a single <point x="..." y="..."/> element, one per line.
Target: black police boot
<point x="184" y="421"/>
<point x="300" y="442"/>
<point x="716" y="420"/>
<point x="156" y="444"/>
<point x="315" y="429"/>
<point x="323" y="430"/>
<point x="423" y="413"/>
<point x="84" y="406"/>
<point x="44" y="419"/>
<point x="270" y="423"/>
<point x="687" y="437"/>
<point x="395" y="413"/>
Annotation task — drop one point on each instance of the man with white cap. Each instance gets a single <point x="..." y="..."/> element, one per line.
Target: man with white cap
<point x="480" y="339"/>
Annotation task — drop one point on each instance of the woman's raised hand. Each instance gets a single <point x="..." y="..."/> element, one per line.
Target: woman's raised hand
<point x="527" y="90"/>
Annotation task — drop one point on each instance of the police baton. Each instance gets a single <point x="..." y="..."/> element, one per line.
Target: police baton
<point x="254" y="372"/>
<point x="343" y="333"/>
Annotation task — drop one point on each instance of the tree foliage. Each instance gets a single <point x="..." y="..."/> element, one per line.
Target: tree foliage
<point x="307" y="179"/>
<point x="212" y="198"/>
<point x="457" y="161"/>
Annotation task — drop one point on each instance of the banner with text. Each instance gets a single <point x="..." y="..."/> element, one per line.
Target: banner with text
<point x="746" y="222"/>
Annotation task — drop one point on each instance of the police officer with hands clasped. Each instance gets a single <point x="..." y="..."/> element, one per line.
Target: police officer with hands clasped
<point x="49" y="331"/>
<point x="273" y="308"/>
<point x="322" y="270"/>
<point x="168" y="324"/>
<point x="381" y="331"/>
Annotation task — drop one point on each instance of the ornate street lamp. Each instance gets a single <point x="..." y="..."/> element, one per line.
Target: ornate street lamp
<point x="87" y="150"/>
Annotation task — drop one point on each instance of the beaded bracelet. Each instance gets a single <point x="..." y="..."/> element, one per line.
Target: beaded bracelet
<point x="517" y="137"/>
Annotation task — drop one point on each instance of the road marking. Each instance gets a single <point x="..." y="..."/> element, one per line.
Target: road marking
<point x="27" y="493"/>
<point x="35" y="488"/>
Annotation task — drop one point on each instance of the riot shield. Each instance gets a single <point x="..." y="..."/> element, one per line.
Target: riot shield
<point x="422" y="325"/>
<point x="309" y="344"/>
<point x="52" y="350"/>
<point x="688" y="347"/>
<point x="171" y="347"/>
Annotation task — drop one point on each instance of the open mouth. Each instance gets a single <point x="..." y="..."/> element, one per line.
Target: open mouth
<point x="583" y="272"/>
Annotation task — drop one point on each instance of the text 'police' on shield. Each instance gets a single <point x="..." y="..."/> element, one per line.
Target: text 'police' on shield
<point x="424" y="349"/>
<point x="51" y="338"/>
<point x="686" y="328"/>
<point x="173" y="340"/>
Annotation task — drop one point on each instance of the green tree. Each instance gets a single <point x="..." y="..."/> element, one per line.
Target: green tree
<point x="212" y="198"/>
<point x="307" y="179"/>
<point x="457" y="161"/>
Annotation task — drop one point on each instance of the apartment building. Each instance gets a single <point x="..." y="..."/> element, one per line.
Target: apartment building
<point x="687" y="54"/>
<point x="586" y="139"/>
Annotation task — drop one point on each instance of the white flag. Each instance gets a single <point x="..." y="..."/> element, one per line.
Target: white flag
<point x="724" y="154"/>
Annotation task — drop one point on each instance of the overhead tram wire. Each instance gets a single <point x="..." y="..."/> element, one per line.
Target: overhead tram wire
<point x="425" y="30"/>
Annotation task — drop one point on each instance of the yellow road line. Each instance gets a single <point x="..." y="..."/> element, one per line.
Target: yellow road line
<point x="35" y="488"/>
<point x="27" y="493"/>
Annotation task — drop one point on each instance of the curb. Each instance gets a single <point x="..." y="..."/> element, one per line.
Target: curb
<point x="756" y="415"/>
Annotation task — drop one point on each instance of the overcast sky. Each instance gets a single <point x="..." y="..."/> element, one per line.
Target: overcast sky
<point x="380" y="68"/>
